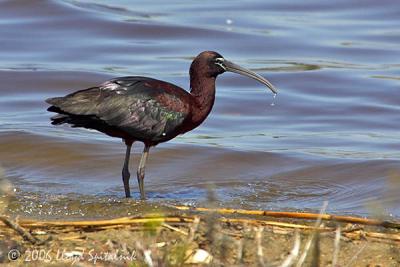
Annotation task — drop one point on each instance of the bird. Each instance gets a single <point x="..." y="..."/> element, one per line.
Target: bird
<point x="143" y="109"/>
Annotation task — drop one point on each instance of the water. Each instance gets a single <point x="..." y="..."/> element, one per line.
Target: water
<point x="332" y="133"/>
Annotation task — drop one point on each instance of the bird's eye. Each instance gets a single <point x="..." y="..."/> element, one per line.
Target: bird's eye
<point x="219" y="60"/>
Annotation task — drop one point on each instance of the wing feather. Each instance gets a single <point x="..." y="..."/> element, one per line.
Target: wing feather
<point x="130" y="104"/>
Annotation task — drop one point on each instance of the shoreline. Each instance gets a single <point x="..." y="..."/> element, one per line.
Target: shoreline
<point x="176" y="235"/>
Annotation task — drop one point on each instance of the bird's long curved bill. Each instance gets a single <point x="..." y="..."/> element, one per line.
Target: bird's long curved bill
<point x="232" y="67"/>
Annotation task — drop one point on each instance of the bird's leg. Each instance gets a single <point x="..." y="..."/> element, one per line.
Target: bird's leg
<point x="125" y="170"/>
<point x="140" y="171"/>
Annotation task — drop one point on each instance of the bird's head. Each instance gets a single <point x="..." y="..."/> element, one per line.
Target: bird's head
<point x="212" y="64"/>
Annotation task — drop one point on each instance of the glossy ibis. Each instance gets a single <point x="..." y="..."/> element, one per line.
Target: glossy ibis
<point x="143" y="109"/>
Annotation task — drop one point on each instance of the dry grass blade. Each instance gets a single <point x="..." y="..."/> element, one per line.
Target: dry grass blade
<point x="146" y="254"/>
<point x="72" y="237"/>
<point x="294" y="253"/>
<point x="312" y="236"/>
<point x="336" y="245"/>
<point x="147" y="258"/>
<point x="239" y="250"/>
<point x="356" y="255"/>
<point x="193" y="228"/>
<point x="298" y="215"/>
<point x="260" y="254"/>
<point x="316" y="250"/>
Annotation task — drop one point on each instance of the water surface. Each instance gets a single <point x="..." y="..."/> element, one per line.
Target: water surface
<point x="332" y="133"/>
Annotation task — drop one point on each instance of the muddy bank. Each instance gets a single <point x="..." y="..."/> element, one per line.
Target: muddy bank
<point x="132" y="233"/>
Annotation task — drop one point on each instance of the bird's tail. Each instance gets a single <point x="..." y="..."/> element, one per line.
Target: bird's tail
<point x="54" y="100"/>
<point x="60" y="119"/>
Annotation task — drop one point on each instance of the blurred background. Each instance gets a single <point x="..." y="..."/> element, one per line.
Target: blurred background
<point x="331" y="133"/>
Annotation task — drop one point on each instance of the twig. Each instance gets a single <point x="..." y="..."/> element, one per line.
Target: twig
<point x="298" y="215"/>
<point x="103" y="223"/>
<point x="393" y="237"/>
<point x="174" y="229"/>
<point x="294" y="253"/>
<point x="273" y="223"/>
<point x="21" y="231"/>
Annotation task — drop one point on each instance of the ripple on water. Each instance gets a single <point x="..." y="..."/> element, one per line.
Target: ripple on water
<point x="331" y="135"/>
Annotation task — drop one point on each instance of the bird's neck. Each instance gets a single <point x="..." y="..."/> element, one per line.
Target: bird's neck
<point x="203" y="92"/>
